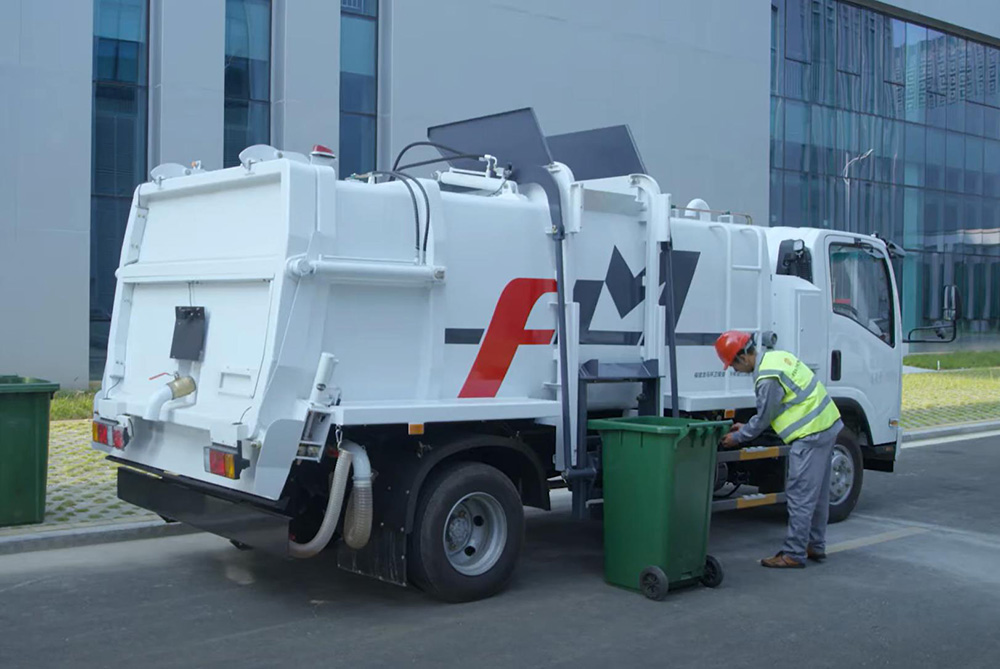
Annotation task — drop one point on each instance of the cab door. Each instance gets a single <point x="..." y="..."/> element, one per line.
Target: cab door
<point x="865" y="338"/>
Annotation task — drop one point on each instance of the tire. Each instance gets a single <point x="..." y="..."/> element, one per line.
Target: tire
<point x="653" y="584"/>
<point x="713" y="575"/>
<point x="847" y="476"/>
<point x="468" y="533"/>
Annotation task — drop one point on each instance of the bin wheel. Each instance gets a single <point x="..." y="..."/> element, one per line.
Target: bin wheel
<point x="653" y="583"/>
<point x="713" y="575"/>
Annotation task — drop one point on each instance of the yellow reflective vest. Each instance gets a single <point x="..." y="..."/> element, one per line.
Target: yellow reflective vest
<point x="807" y="408"/>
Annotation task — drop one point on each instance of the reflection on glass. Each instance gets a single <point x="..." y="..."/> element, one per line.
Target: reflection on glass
<point x="847" y="79"/>
<point x="247" y="117"/>
<point x="118" y="149"/>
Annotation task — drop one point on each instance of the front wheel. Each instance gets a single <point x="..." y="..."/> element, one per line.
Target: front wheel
<point x="846" y="476"/>
<point x="468" y="533"/>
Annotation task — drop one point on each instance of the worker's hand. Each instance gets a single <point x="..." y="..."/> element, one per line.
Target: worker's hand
<point x="729" y="441"/>
<point x="736" y="427"/>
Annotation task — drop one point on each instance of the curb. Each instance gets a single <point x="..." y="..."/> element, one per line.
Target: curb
<point x="951" y="430"/>
<point x="72" y="537"/>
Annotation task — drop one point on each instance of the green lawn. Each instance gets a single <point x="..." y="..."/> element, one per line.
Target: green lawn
<point x="956" y="360"/>
<point x="72" y="404"/>
<point x="944" y="398"/>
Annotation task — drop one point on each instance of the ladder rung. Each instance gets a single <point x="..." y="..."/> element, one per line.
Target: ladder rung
<point x="753" y="453"/>
<point x="748" y="501"/>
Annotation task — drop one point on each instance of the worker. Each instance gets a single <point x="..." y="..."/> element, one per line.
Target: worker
<point x="796" y="405"/>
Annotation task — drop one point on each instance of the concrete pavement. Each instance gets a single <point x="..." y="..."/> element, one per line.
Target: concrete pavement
<point x="913" y="580"/>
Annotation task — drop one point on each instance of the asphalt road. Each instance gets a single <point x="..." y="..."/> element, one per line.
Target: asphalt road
<point x="913" y="581"/>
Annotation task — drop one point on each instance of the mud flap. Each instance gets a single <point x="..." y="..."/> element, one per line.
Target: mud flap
<point x="383" y="558"/>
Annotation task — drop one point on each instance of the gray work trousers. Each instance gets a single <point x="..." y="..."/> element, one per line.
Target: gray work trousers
<point x="807" y="489"/>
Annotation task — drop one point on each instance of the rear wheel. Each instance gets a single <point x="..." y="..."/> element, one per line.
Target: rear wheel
<point x="468" y="533"/>
<point x="846" y="476"/>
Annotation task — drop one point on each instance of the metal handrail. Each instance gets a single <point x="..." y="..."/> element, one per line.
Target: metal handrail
<point x="719" y="212"/>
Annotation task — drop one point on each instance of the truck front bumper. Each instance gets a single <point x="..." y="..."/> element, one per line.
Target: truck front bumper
<point x="207" y="509"/>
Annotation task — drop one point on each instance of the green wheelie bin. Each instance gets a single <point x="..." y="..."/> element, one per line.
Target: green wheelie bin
<point x="24" y="448"/>
<point x="659" y="476"/>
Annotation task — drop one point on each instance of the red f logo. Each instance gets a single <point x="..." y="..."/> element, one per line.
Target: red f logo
<point x="505" y="334"/>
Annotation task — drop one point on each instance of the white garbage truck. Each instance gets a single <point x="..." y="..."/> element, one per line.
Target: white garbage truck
<point x="392" y="367"/>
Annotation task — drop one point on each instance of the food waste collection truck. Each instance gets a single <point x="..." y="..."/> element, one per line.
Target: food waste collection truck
<point x="392" y="367"/>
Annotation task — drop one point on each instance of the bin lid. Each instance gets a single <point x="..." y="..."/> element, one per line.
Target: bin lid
<point x="13" y="384"/>
<point x="659" y="425"/>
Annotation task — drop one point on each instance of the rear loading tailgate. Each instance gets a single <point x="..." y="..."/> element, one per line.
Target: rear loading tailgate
<point x="198" y="295"/>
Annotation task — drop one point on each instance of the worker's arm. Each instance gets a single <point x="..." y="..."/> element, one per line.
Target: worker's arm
<point x="769" y="396"/>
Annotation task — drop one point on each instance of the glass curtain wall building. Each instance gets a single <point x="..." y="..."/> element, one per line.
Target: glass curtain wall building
<point x="247" y="77"/>
<point x="118" y="148"/>
<point x="846" y="80"/>
<point x="358" y="85"/>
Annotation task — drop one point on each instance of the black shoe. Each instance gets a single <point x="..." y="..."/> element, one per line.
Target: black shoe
<point x="815" y="556"/>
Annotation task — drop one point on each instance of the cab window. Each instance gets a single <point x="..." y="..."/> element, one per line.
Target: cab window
<point x="861" y="289"/>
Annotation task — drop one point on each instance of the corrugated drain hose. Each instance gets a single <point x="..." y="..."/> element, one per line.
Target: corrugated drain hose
<point x="359" y="512"/>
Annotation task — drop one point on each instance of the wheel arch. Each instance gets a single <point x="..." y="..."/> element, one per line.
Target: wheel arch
<point x="514" y="458"/>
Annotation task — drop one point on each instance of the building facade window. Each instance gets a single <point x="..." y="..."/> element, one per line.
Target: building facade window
<point x="247" y="77"/>
<point x="118" y="149"/>
<point x="358" y="85"/>
<point x="846" y="79"/>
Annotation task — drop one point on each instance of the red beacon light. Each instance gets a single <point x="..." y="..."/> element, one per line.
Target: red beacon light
<point x="322" y="155"/>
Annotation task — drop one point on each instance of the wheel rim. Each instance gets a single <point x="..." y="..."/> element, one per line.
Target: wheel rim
<point x="475" y="534"/>
<point x="841" y="475"/>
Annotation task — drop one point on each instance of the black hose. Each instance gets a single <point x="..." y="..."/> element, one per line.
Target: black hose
<point x="427" y="205"/>
<point x="460" y="156"/>
<point x="411" y="145"/>
<point x="405" y="180"/>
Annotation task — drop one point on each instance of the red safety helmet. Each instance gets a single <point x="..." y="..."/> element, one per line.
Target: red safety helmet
<point x="730" y="344"/>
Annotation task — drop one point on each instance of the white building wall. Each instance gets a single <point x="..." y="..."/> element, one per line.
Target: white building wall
<point x="305" y="93"/>
<point x="45" y="131"/>
<point x="186" y="81"/>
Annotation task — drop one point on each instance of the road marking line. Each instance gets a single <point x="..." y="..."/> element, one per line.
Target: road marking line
<point x="875" y="539"/>
<point x="952" y="439"/>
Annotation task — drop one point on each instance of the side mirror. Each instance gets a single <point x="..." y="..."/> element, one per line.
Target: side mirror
<point x="947" y="332"/>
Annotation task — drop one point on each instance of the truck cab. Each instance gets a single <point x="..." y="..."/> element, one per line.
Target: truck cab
<point x="848" y="327"/>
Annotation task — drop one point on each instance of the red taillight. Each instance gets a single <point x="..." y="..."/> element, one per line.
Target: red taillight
<point x="217" y="463"/>
<point x="224" y="462"/>
<point x="116" y="436"/>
